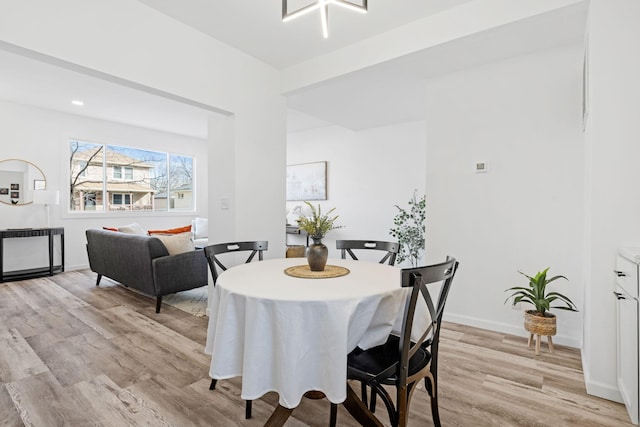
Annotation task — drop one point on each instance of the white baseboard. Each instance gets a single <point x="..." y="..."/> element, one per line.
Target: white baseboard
<point x="599" y="389"/>
<point x="75" y="267"/>
<point x="507" y="328"/>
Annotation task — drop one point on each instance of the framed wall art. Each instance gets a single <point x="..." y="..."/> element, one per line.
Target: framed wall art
<point x="307" y="181"/>
<point x="4" y="191"/>
<point x="15" y="194"/>
<point x="15" y="186"/>
<point x="39" y="184"/>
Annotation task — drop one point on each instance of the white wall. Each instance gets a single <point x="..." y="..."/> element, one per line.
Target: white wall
<point x="522" y="117"/>
<point x="368" y="172"/>
<point x="42" y="137"/>
<point x="612" y="135"/>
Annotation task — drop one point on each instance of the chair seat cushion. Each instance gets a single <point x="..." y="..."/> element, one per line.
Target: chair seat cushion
<point x="364" y="365"/>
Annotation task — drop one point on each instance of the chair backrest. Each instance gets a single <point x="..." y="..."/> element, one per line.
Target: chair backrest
<point x="391" y="248"/>
<point x="420" y="279"/>
<point x="221" y="248"/>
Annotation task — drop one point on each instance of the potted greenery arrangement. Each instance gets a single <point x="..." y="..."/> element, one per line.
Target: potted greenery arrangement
<point x="409" y="230"/>
<point x="540" y="321"/>
<point x="317" y="226"/>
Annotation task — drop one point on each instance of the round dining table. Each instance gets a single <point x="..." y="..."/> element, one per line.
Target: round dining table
<point x="292" y="335"/>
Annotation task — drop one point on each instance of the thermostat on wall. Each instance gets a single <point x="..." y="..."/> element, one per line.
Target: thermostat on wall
<point x="224" y="203"/>
<point x="480" y="166"/>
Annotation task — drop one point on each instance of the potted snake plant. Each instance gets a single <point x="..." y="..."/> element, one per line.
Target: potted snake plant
<point x="539" y="321"/>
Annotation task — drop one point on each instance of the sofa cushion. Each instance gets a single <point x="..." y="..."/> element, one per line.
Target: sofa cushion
<point x="185" y="229"/>
<point x="132" y="228"/>
<point x="176" y="243"/>
<point x="200" y="228"/>
<point x="201" y="243"/>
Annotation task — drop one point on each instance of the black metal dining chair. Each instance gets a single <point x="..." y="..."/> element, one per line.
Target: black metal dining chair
<point x="212" y="252"/>
<point x="391" y="250"/>
<point x="401" y="361"/>
<point x="348" y="246"/>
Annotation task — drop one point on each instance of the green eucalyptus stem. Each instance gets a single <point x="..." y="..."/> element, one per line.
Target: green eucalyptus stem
<point x="409" y="230"/>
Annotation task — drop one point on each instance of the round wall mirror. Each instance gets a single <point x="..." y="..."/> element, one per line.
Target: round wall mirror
<point x="18" y="180"/>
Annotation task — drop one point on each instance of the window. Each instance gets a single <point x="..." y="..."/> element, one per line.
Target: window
<point x="122" y="172"/>
<point x="181" y="182"/>
<point x="128" y="179"/>
<point x="121" y="199"/>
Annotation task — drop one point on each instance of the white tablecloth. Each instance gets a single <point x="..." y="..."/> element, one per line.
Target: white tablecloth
<point x="292" y="335"/>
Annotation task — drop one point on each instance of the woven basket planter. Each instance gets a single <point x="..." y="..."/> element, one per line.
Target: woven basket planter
<point x="538" y="325"/>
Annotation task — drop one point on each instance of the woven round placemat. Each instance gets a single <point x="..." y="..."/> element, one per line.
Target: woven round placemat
<point x="304" y="272"/>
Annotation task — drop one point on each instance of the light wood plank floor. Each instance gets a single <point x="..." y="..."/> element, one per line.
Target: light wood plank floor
<point x="72" y="354"/>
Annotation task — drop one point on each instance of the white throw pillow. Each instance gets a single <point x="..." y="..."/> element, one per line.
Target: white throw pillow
<point x="176" y="243"/>
<point x="133" y="228"/>
<point x="200" y="228"/>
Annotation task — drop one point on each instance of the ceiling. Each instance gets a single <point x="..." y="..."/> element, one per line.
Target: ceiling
<point x="29" y="81"/>
<point x="394" y="91"/>
<point x="255" y="27"/>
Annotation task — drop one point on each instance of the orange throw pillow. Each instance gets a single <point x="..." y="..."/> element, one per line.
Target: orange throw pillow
<point x="110" y="228"/>
<point x="178" y="230"/>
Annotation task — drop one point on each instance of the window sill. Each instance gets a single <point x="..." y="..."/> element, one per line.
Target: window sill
<point x="126" y="214"/>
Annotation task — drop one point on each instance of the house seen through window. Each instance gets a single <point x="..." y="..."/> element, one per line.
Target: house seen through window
<point x="106" y="178"/>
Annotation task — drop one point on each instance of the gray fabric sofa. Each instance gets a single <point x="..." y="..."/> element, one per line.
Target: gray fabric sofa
<point x="143" y="263"/>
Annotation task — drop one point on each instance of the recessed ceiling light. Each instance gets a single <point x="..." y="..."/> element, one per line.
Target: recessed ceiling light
<point x="77" y="102"/>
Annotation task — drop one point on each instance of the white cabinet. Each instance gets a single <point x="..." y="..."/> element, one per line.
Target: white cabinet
<point x="628" y="354"/>
<point x="628" y="321"/>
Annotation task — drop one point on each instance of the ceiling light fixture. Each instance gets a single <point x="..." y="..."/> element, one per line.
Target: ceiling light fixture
<point x="77" y="102"/>
<point x="323" y="5"/>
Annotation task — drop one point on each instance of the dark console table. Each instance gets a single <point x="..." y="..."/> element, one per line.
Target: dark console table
<point x="32" y="272"/>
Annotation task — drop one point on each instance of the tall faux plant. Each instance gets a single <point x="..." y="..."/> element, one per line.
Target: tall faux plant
<point x="409" y="229"/>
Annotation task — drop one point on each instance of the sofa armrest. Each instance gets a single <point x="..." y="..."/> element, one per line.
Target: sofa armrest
<point x="181" y="272"/>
